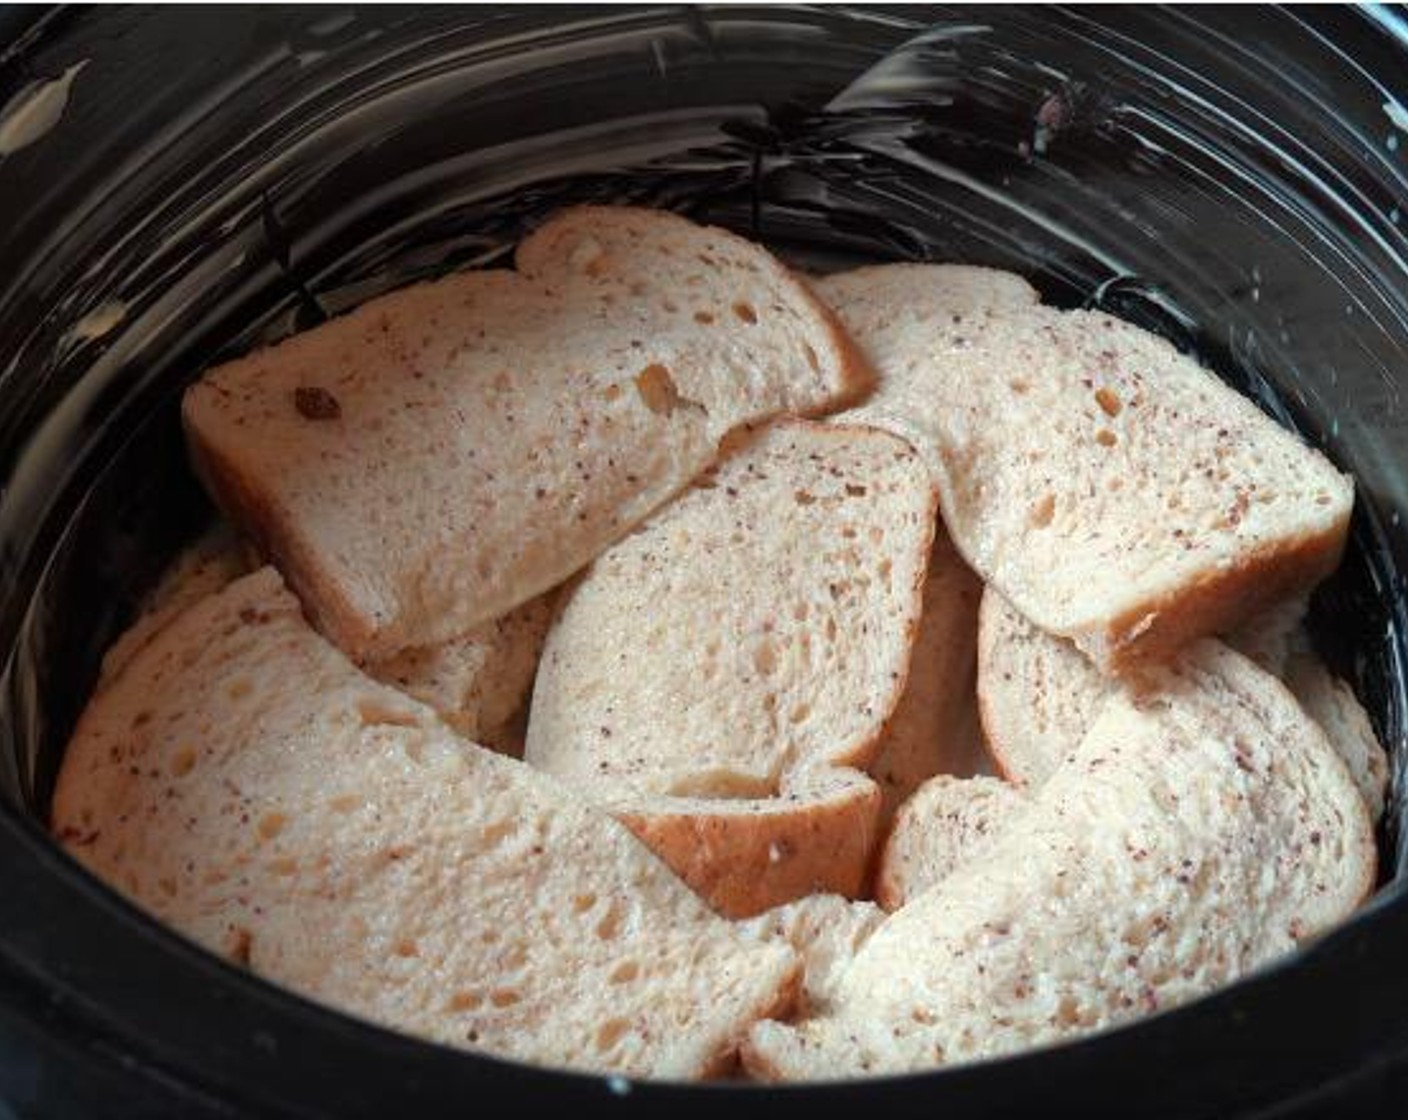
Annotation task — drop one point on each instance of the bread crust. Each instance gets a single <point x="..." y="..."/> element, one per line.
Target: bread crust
<point x="744" y="859"/>
<point x="1151" y="633"/>
<point x="378" y="580"/>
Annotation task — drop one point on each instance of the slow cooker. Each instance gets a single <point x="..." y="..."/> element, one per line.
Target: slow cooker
<point x="178" y="185"/>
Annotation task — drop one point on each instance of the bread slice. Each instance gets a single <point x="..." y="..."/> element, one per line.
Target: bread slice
<point x="478" y="683"/>
<point x="1331" y="703"/>
<point x="1184" y="844"/>
<point x="826" y="930"/>
<point x="723" y="669"/>
<point x="216" y="558"/>
<point x="1038" y="695"/>
<point x="246" y="785"/>
<point x="1110" y="488"/>
<point x="946" y="824"/>
<point x="449" y="451"/>
<point x="1274" y="636"/>
<point x="935" y="727"/>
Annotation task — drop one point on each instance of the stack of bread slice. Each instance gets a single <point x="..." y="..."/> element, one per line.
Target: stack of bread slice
<point x="764" y="622"/>
<point x="244" y="782"/>
<point x="703" y="546"/>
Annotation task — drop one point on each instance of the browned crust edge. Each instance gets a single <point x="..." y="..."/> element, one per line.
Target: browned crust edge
<point x="1216" y="601"/>
<point x="743" y="863"/>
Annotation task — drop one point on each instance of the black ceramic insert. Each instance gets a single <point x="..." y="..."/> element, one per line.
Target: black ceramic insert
<point x="214" y="179"/>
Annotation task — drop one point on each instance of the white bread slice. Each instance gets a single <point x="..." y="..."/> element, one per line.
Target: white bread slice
<point x="1274" y="636"/>
<point x="935" y="727"/>
<point x="479" y="683"/>
<point x="1331" y="703"/>
<point x="946" y="824"/>
<point x="1114" y="491"/>
<point x="438" y="456"/>
<point x="719" y="672"/>
<point x="826" y="930"/>
<point x="216" y="558"/>
<point x="1038" y="695"/>
<point x="1184" y="844"/>
<point x="1278" y="641"/>
<point x="244" y="783"/>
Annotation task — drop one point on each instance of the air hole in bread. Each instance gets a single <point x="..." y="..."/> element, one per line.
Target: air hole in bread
<point x="406" y="947"/>
<point x="624" y="972"/>
<point x="745" y="312"/>
<point x="271" y="824"/>
<point x="583" y="902"/>
<point x="1043" y="511"/>
<point x="504" y="997"/>
<point x="610" y="924"/>
<point x="610" y="1033"/>
<point x="466" y="1001"/>
<point x="704" y="318"/>
<point x="183" y="762"/>
<point x="496" y="833"/>
<point x="657" y="389"/>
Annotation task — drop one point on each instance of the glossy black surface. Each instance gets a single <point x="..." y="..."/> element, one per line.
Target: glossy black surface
<point x="1231" y="178"/>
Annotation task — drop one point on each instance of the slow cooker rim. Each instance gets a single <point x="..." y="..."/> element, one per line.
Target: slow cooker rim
<point x="158" y="952"/>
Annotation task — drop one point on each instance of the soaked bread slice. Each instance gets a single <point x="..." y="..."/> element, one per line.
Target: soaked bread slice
<point x="449" y="451"/>
<point x="1039" y="695"/>
<point x="478" y="683"/>
<point x="245" y="784"/>
<point x="943" y="826"/>
<point x="935" y="727"/>
<point x="729" y="668"/>
<point x="825" y="930"/>
<point x="1187" y="841"/>
<point x="1115" y="492"/>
